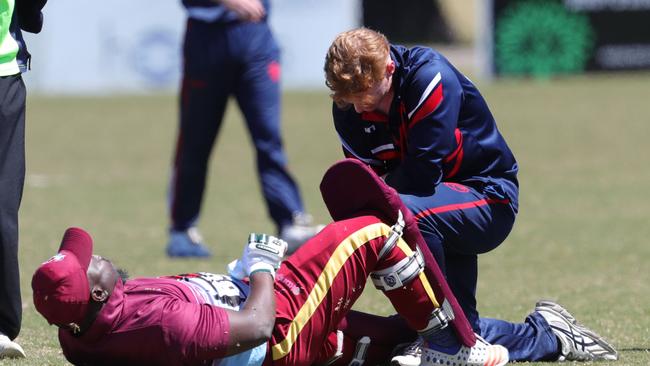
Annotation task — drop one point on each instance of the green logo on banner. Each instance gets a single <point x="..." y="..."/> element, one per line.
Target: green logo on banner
<point x="541" y="38"/>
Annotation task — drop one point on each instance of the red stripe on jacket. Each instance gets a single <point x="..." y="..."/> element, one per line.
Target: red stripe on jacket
<point x="433" y="101"/>
<point x="456" y="154"/>
<point x="374" y="117"/>
<point x="460" y="206"/>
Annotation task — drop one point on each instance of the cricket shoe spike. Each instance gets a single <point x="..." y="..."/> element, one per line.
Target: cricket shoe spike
<point x="481" y="354"/>
<point x="299" y="231"/>
<point x="578" y="342"/>
<point x="187" y="244"/>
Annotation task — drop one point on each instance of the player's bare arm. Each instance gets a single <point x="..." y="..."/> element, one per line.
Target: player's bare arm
<point x="252" y="325"/>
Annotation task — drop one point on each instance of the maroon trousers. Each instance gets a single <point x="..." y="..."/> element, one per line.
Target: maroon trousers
<point x="317" y="286"/>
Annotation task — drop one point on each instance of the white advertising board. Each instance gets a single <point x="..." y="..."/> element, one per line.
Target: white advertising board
<point x="127" y="46"/>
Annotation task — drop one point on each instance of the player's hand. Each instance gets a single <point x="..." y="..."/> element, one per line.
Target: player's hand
<point x="263" y="253"/>
<point x="247" y="10"/>
<point x="236" y="269"/>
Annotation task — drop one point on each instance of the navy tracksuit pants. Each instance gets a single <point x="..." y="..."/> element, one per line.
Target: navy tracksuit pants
<point x="223" y="59"/>
<point x="12" y="178"/>
<point x="459" y="222"/>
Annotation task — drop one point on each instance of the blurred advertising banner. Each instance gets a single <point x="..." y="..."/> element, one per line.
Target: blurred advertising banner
<point x="126" y="46"/>
<point x="549" y="37"/>
<point x="305" y="29"/>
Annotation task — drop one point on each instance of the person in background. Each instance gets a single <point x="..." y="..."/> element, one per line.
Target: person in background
<point x="229" y="50"/>
<point x="14" y="60"/>
<point x="426" y="129"/>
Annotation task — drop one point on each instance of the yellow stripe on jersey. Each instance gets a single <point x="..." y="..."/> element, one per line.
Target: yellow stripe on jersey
<point x="341" y="254"/>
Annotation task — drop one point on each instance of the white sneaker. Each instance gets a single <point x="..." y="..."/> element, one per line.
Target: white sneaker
<point x="10" y="349"/>
<point x="481" y="354"/>
<point x="410" y="355"/>
<point x="578" y="342"/>
<point x="300" y="230"/>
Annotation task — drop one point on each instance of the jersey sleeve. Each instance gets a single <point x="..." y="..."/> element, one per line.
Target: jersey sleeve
<point x="195" y="332"/>
<point x="432" y="100"/>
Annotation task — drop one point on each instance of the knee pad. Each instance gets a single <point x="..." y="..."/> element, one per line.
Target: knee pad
<point x="350" y="187"/>
<point x="399" y="274"/>
<point x="405" y="270"/>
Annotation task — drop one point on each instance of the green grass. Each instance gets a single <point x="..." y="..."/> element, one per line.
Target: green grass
<point x="581" y="236"/>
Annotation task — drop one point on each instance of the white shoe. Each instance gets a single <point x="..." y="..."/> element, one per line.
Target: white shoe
<point x="579" y="343"/>
<point x="10" y="349"/>
<point x="481" y="354"/>
<point x="299" y="231"/>
<point x="410" y="355"/>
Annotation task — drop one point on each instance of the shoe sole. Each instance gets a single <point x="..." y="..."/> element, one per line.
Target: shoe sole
<point x="497" y="356"/>
<point x="12" y="353"/>
<point x="502" y="359"/>
<point x="397" y="363"/>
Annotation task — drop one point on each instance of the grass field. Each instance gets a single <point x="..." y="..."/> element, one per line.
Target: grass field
<point x="581" y="237"/>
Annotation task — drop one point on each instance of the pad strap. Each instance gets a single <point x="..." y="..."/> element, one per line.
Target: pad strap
<point x="399" y="274"/>
<point x="396" y="232"/>
<point x="440" y="318"/>
<point x="360" y="352"/>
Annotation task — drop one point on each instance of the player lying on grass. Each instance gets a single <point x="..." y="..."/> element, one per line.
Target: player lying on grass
<point x="298" y="316"/>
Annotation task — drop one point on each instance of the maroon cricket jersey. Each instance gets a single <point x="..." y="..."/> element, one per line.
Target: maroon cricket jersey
<point x="151" y="321"/>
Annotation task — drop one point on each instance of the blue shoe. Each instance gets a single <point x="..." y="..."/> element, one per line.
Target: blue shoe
<point x="188" y="243"/>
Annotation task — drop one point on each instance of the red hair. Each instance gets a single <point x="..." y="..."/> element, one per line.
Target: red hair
<point x="355" y="61"/>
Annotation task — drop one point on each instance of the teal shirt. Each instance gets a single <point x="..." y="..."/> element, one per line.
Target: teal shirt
<point x="8" y="45"/>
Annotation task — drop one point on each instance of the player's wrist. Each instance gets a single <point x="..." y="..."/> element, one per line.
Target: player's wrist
<point x="261" y="267"/>
<point x="262" y="271"/>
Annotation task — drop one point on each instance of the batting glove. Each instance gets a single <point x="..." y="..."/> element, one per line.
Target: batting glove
<point x="263" y="253"/>
<point x="236" y="270"/>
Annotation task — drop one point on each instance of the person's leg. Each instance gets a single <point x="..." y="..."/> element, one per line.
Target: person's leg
<point x="549" y="333"/>
<point x="365" y="337"/>
<point x="208" y="77"/>
<point x="459" y="222"/>
<point x="12" y="177"/>
<point x="258" y="95"/>
<point x="531" y="341"/>
<point x="318" y="285"/>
